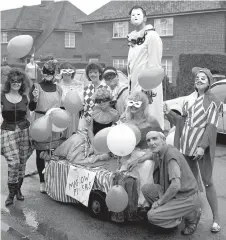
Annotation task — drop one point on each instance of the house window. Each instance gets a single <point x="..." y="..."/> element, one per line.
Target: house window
<point x="167" y="65"/>
<point x="120" y="63"/>
<point x="69" y="40"/>
<point x="164" y="26"/>
<point x="4" y="37"/>
<point x="93" y="60"/>
<point x="120" y="29"/>
<point x="4" y="59"/>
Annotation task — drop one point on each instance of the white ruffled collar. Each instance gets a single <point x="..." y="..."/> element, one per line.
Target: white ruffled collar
<point x="134" y="35"/>
<point x="105" y="117"/>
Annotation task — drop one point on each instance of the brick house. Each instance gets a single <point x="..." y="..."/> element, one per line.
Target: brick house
<point x="184" y="26"/>
<point x="51" y="24"/>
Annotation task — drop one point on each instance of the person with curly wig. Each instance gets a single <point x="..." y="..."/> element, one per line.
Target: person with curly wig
<point x="79" y="147"/>
<point x="67" y="73"/>
<point x="137" y="113"/>
<point x="94" y="74"/>
<point x="15" y="142"/>
<point x="44" y="96"/>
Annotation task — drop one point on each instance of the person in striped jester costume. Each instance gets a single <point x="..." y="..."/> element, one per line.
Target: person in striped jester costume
<point x="196" y="132"/>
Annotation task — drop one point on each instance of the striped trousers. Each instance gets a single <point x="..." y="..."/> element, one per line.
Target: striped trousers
<point x="16" y="148"/>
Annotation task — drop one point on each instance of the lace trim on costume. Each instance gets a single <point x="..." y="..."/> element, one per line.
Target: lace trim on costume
<point x="105" y="117"/>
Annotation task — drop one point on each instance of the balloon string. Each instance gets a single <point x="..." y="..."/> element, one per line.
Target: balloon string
<point x="50" y="144"/>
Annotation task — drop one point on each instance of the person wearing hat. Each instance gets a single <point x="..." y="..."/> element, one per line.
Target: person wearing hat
<point x="196" y="132"/>
<point x="44" y="96"/>
<point x="145" y="51"/>
<point x="119" y="90"/>
<point x="173" y="195"/>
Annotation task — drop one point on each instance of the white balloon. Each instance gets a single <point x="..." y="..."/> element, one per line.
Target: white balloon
<point x="170" y="138"/>
<point x="121" y="140"/>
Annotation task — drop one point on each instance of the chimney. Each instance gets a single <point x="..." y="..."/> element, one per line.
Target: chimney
<point x="46" y="2"/>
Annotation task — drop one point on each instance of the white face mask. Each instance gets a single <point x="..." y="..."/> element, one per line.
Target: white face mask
<point x="137" y="17"/>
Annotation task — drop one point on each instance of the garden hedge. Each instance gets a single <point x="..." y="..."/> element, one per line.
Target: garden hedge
<point x="185" y="79"/>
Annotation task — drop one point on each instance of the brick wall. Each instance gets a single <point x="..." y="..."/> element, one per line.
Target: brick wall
<point x="197" y="33"/>
<point x="55" y="45"/>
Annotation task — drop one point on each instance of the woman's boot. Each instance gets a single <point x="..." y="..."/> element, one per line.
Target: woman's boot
<point x="19" y="195"/>
<point x="12" y="192"/>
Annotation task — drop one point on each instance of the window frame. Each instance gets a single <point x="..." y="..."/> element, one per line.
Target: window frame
<point x="3" y="37"/>
<point x="125" y="30"/>
<point x="69" y="40"/>
<point x="116" y="63"/>
<point x="167" y="64"/>
<point x="164" y="30"/>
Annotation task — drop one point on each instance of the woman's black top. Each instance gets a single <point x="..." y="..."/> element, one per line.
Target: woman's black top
<point x="99" y="126"/>
<point x="14" y="114"/>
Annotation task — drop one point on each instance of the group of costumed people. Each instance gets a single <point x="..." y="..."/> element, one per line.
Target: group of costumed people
<point x="168" y="176"/>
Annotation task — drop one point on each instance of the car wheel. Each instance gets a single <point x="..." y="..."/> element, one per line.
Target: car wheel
<point x="97" y="205"/>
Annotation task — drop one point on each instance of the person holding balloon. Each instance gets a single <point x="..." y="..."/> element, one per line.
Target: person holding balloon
<point x="67" y="73"/>
<point x="43" y="97"/>
<point x="137" y="113"/>
<point x="16" y="146"/>
<point x="82" y="147"/>
<point x="144" y="61"/>
<point x="196" y="132"/>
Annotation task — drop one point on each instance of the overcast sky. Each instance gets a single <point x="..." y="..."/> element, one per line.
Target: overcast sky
<point x="87" y="6"/>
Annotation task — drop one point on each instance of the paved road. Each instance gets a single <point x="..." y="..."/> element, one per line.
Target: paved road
<point x="39" y="217"/>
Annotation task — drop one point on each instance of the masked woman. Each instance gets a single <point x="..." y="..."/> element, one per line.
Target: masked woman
<point x="79" y="147"/>
<point x="196" y="133"/>
<point x="67" y="73"/>
<point x="137" y="113"/>
<point x="15" y="142"/>
<point x="44" y="96"/>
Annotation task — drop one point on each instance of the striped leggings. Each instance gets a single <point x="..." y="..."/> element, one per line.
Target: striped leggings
<point x="16" y="148"/>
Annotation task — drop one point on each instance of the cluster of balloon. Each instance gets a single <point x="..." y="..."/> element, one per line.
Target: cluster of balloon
<point x="150" y="78"/>
<point x="56" y="120"/>
<point x="117" y="199"/>
<point x="118" y="143"/>
<point x="41" y="129"/>
<point x="121" y="140"/>
<point x="73" y="102"/>
<point x="20" y="46"/>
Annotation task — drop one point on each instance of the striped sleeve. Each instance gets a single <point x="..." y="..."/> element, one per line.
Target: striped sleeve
<point x="213" y="114"/>
<point x="210" y="133"/>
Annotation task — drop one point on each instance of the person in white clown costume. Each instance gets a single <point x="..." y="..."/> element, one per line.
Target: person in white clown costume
<point x="145" y="52"/>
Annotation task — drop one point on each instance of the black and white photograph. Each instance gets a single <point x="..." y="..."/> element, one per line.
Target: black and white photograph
<point x="113" y="120"/>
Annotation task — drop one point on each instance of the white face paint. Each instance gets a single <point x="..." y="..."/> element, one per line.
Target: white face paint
<point x="201" y="81"/>
<point x="137" y="17"/>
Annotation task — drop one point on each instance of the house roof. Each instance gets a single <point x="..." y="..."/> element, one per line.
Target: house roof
<point x="46" y="17"/>
<point x="120" y="9"/>
<point x="37" y="17"/>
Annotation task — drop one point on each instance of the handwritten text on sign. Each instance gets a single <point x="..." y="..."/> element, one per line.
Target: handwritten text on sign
<point x="79" y="184"/>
